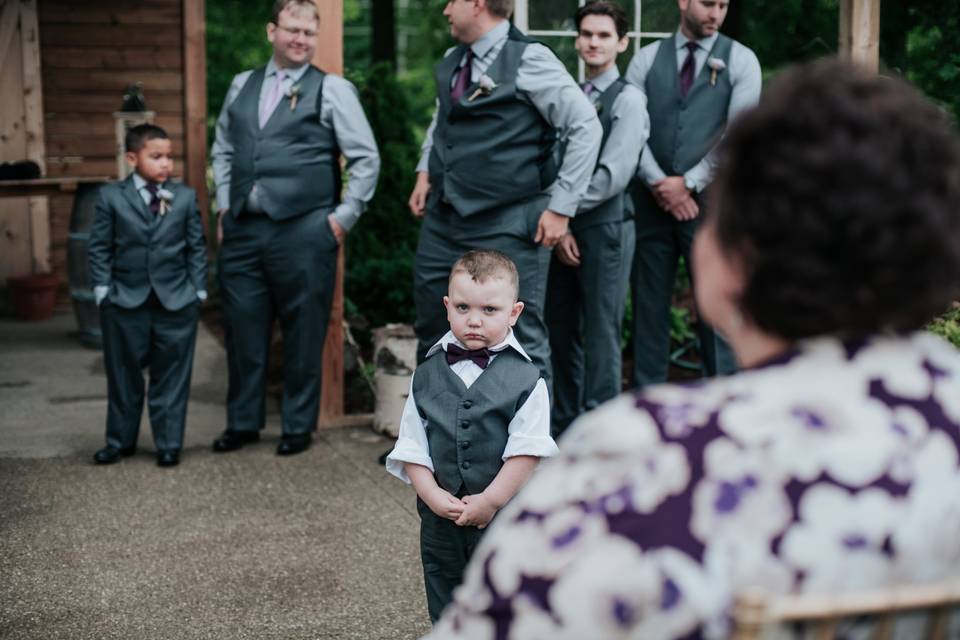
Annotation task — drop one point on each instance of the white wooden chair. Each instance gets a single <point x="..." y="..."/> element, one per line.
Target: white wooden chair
<point x="924" y="612"/>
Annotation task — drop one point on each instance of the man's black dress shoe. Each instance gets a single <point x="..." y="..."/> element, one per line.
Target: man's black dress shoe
<point x="290" y="445"/>
<point x="168" y="458"/>
<point x="231" y="440"/>
<point x="109" y="455"/>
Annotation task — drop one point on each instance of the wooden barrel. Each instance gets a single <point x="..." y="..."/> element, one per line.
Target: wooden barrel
<point x="78" y="270"/>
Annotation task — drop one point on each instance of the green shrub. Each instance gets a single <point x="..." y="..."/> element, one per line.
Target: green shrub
<point x="948" y="325"/>
<point x="380" y="249"/>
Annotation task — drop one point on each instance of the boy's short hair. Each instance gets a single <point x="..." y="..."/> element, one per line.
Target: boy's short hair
<point x="483" y="264"/>
<point x="280" y="5"/>
<point x="605" y="8"/>
<point x="139" y="135"/>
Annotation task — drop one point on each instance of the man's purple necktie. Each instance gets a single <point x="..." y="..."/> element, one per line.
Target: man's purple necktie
<point x="480" y="357"/>
<point x="463" y="78"/>
<point x="686" y="71"/>
<point x="152" y="189"/>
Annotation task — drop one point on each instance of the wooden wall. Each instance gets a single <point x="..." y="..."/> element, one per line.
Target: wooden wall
<point x="91" y="52"/>
<point x="24" y="228"/>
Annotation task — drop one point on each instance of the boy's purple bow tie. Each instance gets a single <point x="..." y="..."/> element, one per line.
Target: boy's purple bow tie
<point x="480" y="357"/>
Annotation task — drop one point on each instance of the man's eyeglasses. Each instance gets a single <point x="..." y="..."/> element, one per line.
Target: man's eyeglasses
<point x="307" y="33"/>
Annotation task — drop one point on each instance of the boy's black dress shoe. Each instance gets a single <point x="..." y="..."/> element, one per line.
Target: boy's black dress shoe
<point x="109" y="455"/>
<point x="290" y="445"/>
<point x="231" y="440"/>
<point x="168" y="458"/>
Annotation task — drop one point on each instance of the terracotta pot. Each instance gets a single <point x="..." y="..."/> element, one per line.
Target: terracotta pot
<point x="34" y="296"/>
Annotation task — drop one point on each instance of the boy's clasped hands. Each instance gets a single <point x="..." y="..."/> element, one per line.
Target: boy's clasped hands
<point x="476" y="510"/>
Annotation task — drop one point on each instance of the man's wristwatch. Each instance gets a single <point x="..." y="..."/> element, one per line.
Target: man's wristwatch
<point x="690" y="185"/>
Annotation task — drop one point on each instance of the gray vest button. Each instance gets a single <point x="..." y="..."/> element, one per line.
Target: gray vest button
<point x="464" y="445"/>
<point x="465" y="424"/>
<point x="467" y="404"/>
<point x="465" y="465"/>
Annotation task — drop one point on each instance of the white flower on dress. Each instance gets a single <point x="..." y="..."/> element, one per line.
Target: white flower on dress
<point x="828" y="419"/>
<point x="684" y="408"/>
<point x="897" y="364"/>
<point x="840" y="541"/>
<point x="927" y="538"/>
<point x="611" y="591"/>
<point x="610" y="449"/>
<point x="542" y="546"/>
<point x="943" y="358"/>
<point x="740" y="496"/>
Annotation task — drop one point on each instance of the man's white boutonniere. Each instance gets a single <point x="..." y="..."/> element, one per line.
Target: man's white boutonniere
<point x="293" y="93"/>
<point x="166" y="198"/>
<point x="485" y="87"/>
<point x="716" y="66"/>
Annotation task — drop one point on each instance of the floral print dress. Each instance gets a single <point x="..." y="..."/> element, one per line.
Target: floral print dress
<point x="834" y="467"/>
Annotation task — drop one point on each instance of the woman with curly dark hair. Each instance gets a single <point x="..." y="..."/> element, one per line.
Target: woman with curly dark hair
<point x="830" y="463"/>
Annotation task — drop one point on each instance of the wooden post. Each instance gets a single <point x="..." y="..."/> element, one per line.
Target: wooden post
<point x="860" y="33"/>
<point x="195" y="102"/>
<point x="38" y="208"/>
<point x="329" y="57"/>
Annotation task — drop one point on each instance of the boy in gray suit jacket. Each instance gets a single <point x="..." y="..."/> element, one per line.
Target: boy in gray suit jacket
<point x="148" y="266"/>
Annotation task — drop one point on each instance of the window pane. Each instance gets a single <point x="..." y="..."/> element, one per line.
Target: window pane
<point x="564" y="49"/>
<point x="553" y="15"/>
<point x="659" y="15"/>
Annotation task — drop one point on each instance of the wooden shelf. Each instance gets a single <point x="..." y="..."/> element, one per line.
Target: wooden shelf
<point x="45" y="186"/>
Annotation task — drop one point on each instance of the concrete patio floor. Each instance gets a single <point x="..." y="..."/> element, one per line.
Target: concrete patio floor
<point x="241" y="545"/>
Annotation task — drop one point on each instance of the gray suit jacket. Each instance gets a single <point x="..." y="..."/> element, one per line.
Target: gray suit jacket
<point x="133" y="251"/>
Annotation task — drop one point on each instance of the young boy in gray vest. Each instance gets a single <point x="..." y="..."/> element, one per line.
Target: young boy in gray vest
<point x="148" y="267"/>
<point x="475" y="424"/>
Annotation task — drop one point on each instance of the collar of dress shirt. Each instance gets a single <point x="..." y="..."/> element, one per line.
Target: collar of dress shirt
<point x="704" y="43"/>
<point x="509" y="341"/>
<point x="293" y="74"/>
<point x="484" y="43"/>
<point x="603" y="81"/>
<point x="139" y="183"/>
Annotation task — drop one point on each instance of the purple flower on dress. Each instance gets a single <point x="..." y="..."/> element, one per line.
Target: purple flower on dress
<point x="810" y="419"/>
<point x="855" y="541"/>
<point x="732" y="493"/>
<point x="623" y="613"/>
<point x="670" y="595"/>
<point x="567" y="537"/>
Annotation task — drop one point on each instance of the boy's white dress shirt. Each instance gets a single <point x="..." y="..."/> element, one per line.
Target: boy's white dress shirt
<point x="529" y="430"/>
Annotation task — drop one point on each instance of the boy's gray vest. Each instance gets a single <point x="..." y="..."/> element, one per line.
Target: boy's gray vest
<point x="682" y="130"/>
<point x="496" y="149"/>
<point x="467" y="428"/>
<point x="616" y="208"/>
<point x="294" y="159"/>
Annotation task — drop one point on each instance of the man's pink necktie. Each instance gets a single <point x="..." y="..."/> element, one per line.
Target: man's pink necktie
<point x="273" y="99"/>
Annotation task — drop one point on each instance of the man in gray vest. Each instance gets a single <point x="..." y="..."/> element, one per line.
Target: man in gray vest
<point x="590" y="269"/>
<point x="281" y="220"/>
<point x="488" y="174"/>
<point x="695" y="81"/>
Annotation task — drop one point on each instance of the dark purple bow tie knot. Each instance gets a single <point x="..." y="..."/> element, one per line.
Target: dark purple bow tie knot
<point x="480" y="357"/>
